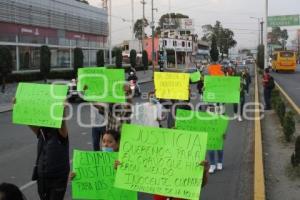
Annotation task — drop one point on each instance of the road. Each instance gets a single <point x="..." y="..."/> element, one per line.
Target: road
<point x="18" y="153"/>
<point x="290" y="83"/>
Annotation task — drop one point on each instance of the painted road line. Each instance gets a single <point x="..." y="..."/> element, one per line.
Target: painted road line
<point x="288" y="98"/>
<point x="259" y="179"/>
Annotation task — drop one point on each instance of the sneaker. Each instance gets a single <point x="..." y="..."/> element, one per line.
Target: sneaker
<point x="240" y="119"/>
<point x="212" y="169"/>
<point x="219" y="166"/>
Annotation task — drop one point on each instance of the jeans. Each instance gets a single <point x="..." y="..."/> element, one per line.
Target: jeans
<point x="239" y="108"/>
<point x="52" y="189"/>
<point x="267" y="98"/>
<point x="211" y="155"/>
<point x="97" y="132"/>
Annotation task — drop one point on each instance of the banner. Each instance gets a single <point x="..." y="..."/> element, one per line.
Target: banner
<point x="214" y="125"/>
<point x="161" y="161"/>
<point x="95" y="175"/>
<point x="221" y="89"/>
<point x="39" y="104"/>
<point x="195" y="77"/>
<point x="171" y="85"/>
<point x="104" y="85"/>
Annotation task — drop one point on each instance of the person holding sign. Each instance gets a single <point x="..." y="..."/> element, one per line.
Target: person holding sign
<point x="52" y="164"/>
<point x="239" y="108"/>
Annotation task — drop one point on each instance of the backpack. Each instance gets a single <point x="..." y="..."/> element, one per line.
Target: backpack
<point x="271" y="83"/>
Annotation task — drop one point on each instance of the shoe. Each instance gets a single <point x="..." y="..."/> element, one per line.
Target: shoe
<point x="240" y="119"/>
<point x="219" y="166"/>
<point x="212" y="169"/>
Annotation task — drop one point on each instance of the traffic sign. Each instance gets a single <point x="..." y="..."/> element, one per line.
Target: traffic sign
<point x="284" y="20"/>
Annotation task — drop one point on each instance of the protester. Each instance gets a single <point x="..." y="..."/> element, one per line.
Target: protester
<point x="239" y="108"/>
<point x="268" y="84"/>
<point x="247" y="78"/>
<point x="200" y="85"/>
<point x="215" y="69"/>
<point x="10" y="192"/>
<point x="98" y="124"/>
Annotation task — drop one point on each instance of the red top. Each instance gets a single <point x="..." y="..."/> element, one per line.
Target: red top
<point x="266" y="78"/>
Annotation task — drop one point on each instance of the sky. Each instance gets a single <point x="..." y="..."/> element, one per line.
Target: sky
<point x="233" y="14"/>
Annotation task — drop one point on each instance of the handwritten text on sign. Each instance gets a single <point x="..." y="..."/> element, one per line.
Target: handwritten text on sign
<point x="171" y="85"/>
<point x="214" y="125"/>
<point x="39" y="104"/>
<point x="161" y="161"/>
<point x="95" y="175"/>
<point x="221" y="89"/>
<point x="103" y="85"/>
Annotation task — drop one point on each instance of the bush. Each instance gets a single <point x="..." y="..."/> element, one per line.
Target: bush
<point x="280" y="110"/>
<point x="275" y="97"/>
<point x="100" y="58"/>
<point x="133" y="58"/>
<point x="295" y="158"/>
<point x="78" y="60"/>
<point x="45" y="61"/>
<point x="289" y="126"/>
<point x="119" y="58"/>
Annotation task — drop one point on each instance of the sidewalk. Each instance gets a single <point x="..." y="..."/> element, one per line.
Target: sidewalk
<point x="6" y="98"/>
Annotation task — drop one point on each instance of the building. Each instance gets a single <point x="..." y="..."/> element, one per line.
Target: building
<point x="60" y="24"/>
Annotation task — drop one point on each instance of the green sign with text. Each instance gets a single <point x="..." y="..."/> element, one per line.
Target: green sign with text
<point x="284" y="20"/>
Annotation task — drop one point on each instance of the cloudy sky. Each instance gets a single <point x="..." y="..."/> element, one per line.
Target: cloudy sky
<point x="233" y="14"/>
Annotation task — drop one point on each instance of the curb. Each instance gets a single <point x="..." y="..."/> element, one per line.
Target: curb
<point x="288" y="98"/>
<point x="259" y="179"/>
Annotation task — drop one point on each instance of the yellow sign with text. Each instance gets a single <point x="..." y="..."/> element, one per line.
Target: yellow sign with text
<point x="171" y="85"/>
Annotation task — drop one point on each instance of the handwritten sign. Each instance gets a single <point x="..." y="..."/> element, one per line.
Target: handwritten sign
<point x="214" y="125"/>
<point x="171" y="85"/>
<point x="221" y="89"/>
<point x="95" y="175"/>
<point x="195" y="77"/>
<point x="161" y="161"/>
<point x="39" y="104"/>
<point x="104" y="85"/>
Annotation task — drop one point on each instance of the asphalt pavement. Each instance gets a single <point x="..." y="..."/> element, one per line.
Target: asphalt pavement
<point x="289" y="81"/>
<point x="18" y="153"/>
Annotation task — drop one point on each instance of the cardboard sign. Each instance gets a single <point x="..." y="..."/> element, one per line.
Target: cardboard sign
<point x="39" y="104"/>
<point x="221" y="89"/>
<point x="195" y="77"/>
<point x="95" y="175"/>
<point x="161" y="161"/>
<point x="104" y="85"/>
<point x="171" y="85"/>
<point x="214" y="125"/>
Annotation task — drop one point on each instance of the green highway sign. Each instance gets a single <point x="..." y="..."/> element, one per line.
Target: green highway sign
<point x="283" y="20"/>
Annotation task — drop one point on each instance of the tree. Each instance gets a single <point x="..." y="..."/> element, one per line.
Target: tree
<point x="133" y="58"/>
<point x="172" y="20"/>
<point x="6" y="61"/>
<point x="100" y="58"/>
<point x="224" y="37"/>
<point x="78" y="60"/>
<point x="145" y="59"/>
<point x="45" y="62"/>
<point x="278" y="36"/>
<point x="119" y="58"/>
<point x="138" y="28"/>
<point x="260" y="56"/>
<point x="214" y="52"/>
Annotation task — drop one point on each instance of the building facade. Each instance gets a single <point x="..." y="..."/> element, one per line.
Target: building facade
<point x="60" y="24"/>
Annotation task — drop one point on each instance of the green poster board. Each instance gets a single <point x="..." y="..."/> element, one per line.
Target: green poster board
<point x="214" y="125"/>
<point x="221" y="89"/>
<point x="195" y="77"/>
<point x="39" y="104"/>
<point x="104" y="85"/>
<point x="161" y="161"/>
<point x="283" y="20"/>
<point x="95" y="175"/>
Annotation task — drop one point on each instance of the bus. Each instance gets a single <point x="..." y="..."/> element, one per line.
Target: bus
<point x="284" y="61"/>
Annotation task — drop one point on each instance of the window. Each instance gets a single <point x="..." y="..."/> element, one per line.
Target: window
<point x="183" y="44"/>
<point x="165" y="43"/>
<point x="174" y="43"/>
<point x="29" y="58"/>
<point x="189" y="44"/>
<point x="60" y="58"/>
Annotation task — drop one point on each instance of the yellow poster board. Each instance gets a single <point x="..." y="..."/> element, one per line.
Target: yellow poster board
<point x="171" y="85"/>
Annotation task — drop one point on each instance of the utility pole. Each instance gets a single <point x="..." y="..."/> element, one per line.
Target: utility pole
<point x="152" y="27"/>
<point x="143" y="24"/>
<point x="110" y="23"/>
<point x="266" y="33"/>
<point x="132" y="18"/>
<point x="262" y="32"/>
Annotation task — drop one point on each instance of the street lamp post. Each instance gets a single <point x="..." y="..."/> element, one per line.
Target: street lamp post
<point x="110" y="23"/>
<point x="266" y="34"/>
<point x="258" y="22"/>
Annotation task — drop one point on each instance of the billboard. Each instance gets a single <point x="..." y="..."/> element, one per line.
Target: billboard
<point x="283" y="20"/>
